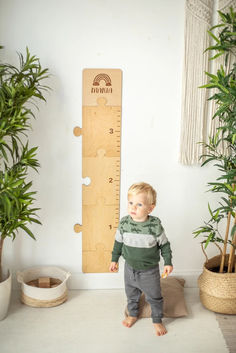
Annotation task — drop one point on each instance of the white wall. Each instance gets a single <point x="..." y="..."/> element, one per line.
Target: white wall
<point x="145" y="40"/>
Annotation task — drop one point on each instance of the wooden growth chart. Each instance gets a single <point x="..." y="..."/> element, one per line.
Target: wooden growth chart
<point x="101" y="137"/>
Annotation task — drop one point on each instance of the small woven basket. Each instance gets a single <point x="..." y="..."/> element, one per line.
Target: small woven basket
<point x="37" y="303"/>
<point x="43" y="297"/>
<point x="217" y="290"/>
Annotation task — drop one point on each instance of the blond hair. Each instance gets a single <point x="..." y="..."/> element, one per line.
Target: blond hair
<point x="145" y="188"/>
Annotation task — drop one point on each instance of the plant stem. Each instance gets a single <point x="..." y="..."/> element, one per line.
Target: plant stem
<point x="232" y="252"/>
<point x="225" y="243"/>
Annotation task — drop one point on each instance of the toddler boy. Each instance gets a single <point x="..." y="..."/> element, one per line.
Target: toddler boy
<point x="139" y="239"/>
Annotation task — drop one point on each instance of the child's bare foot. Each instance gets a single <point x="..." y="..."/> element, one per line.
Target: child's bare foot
<point x="129" y="321"/>
<point x="160" y="329"/>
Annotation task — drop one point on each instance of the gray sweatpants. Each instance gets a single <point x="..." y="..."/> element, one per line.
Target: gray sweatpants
<point x="148" y="282"/>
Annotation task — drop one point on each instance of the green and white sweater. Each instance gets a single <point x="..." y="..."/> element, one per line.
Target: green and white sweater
<point x="140" y="243"/>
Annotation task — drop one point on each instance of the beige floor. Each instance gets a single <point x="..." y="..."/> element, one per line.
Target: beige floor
<point x="90" y="322"/>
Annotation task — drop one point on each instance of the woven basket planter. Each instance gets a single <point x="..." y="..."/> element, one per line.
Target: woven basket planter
<point x="43" y="297"/>
<point x="217" y="290"/>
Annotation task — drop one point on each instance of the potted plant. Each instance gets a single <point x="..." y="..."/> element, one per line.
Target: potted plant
<point x="19" y="88"/>
<point x="217" y="283"/>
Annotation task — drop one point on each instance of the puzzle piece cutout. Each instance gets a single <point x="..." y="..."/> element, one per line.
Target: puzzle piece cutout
<point x="99" y="257"/>
<point x="104" y="173"/>
<point x="101" y="130"/>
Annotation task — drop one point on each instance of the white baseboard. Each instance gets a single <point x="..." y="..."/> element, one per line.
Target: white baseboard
<point x="115" y="280"/>
<point x="96" y="281"/>
<point x="190" y="277"/>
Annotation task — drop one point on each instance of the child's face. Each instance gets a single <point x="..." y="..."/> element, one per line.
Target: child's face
<point x="138" y="207"/>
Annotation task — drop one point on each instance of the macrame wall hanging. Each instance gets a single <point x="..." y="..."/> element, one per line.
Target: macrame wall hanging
<point x="196" y="124"/>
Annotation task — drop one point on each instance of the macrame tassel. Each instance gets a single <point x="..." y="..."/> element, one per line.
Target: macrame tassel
<point x="198" y="20"/>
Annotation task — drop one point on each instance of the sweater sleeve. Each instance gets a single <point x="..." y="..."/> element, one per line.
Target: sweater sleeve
<point x="166" y="253"/>
<point x="117" y="248"/>
<point x="165" y="248"/>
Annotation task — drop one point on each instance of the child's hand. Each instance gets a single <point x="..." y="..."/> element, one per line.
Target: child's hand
<point x="113" y="267"/>
<point x="167" y="270"/>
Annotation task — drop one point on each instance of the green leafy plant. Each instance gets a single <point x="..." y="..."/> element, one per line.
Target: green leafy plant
<point x="223" y="83"/>
<point x="19" y="90"/>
